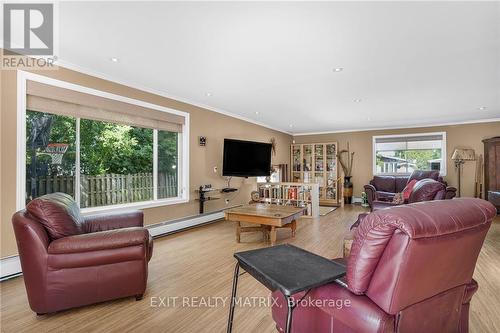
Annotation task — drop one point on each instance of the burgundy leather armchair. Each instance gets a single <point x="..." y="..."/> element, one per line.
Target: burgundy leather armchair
<point x="424" y="190"/>
<point x="410" y="270"/>
<point x="383" y="188"/>
<point x="69" y="260"/>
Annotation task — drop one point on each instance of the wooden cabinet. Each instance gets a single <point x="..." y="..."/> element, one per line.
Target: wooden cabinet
<point x="317" y="163"/>
<point x="492" y="169"/>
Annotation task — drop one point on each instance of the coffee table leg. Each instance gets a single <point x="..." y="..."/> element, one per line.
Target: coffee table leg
<point x="273" y="235"/>
<point x="233" y="298"/>
<point x="294" y="227"/>
<point x="289" y="315"/>
<point x="238" y="231"/>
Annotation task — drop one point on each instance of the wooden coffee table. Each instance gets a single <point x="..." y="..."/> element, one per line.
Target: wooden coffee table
<point x="267" y="217"/>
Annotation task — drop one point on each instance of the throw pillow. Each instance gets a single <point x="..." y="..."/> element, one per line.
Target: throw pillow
<point x="58" y="213"/>
<point x="408" y="188"/>
<point x="398" y="198"/>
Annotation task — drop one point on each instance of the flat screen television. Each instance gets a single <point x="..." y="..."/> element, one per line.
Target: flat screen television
<point x="246" y="158"/>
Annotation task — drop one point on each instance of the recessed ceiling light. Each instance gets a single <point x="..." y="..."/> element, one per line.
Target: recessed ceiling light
<point x="208" y="94"/>
<point x="357" y="100"/>
<point x="338" y="69"/>
<point x="114" y="59"/>
<point x="482" y="108"/>
<point x="291" y="125"/>
<point x="256" y="112"/>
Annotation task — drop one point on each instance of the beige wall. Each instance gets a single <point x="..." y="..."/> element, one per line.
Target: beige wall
<point x="213" y="125"/>
<point x="467" y="135"/>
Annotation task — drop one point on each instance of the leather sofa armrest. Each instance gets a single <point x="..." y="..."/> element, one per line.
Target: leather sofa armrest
<point x="451" y="192"/>
<point x="98" y="241"/>
<point x="371" y="193"/>
<point x="103" y="222"/>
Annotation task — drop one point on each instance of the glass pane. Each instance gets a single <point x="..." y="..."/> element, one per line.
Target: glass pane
<point x="318" y="178"/>
<point x="307" y="157"/>
<point x="296" y="177"/>
<point x="296" y="158"/>
<point x="331" y="158"/>
<point x="50" y="154"/>
<point x="406" y="161"/>
<point x="423" y="159"/>
<point x="307" y="177"/>
<point x="168" y="159"/>
<point x="331" y="179"/>
<point x="331" y="193"/>
<point x="318" y="157"/>
<point x="116" y="163"/>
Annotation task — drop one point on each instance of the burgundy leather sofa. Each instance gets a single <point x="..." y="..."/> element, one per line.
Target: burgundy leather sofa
<point x="424" y="190"/>
<point x="383" y="188"/>
<point x="69" y="260"/>
<point x="410" y="270"/>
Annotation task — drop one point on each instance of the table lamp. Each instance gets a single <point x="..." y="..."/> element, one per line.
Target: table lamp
<point x="460" y="155"/>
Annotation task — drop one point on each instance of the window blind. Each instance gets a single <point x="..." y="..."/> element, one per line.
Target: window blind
<point x="416" y="142"/>
<point x="412" y="138"/>
<point x="51" y="99"/>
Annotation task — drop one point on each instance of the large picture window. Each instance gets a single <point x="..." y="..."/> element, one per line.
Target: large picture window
<point x="105" y="153"/>
<point x="116" y="162"/>
<point x="402" y="154"/>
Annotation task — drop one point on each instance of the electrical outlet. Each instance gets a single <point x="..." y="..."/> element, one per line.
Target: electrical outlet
<point x="215" y="169"/>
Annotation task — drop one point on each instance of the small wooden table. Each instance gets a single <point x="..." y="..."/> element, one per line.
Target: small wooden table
<point x="268" y="217"/>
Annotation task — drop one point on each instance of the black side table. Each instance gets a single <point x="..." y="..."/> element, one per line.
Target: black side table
<point x="286" y="268"/>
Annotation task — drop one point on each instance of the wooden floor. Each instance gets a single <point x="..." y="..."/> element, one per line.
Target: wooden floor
<point x="199" y="263"/>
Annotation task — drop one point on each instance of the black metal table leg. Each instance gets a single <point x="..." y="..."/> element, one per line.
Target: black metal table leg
<point x="289" y="314"/>
<point x="233" y="298"/>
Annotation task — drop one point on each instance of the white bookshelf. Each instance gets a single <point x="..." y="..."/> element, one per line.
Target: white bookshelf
<point x="291" y="194"/>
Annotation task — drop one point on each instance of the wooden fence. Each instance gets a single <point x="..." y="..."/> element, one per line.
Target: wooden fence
<point x="109" y="189"/>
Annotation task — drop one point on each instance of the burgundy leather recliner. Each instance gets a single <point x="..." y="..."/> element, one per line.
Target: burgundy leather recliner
<point x="69" y="260"/>
<point x="383" y="188"/>
<point x="410" y="270"/>
<point x="424" y="190"/>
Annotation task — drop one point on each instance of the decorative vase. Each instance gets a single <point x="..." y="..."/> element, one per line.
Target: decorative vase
<point x="347" y="190"/>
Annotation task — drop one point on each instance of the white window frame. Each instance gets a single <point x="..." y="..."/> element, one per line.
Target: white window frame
<point x="183" y="146"/>
<point x="442" y="172"/>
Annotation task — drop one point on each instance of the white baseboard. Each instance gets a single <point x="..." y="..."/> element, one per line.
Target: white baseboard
<point x="357" y="200"/>
<point x="10" y="267"/>
<point x="173" y="226"/>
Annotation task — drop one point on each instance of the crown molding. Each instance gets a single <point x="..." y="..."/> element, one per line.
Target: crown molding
<point x="84" y="70"/>
<point x="476" y="121"/>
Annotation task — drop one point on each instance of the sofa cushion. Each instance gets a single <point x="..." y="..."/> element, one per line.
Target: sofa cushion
<point x="401" y="182"/>
<point x="58" y="213"/>
<point x="384" y="183"/>
<point x="422" y="174"/>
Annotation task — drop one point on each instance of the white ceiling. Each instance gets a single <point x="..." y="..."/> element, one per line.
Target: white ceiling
<point x="410" y="63"/>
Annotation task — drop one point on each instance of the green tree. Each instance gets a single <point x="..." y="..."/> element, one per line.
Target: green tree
<point x="113" y="148"/>
<point x="107" y="147"/>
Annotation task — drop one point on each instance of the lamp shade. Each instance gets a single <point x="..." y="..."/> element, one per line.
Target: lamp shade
<point x="463" y="154"/>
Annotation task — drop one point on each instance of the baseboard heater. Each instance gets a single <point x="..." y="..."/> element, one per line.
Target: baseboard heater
<point x="173" y="226"/>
